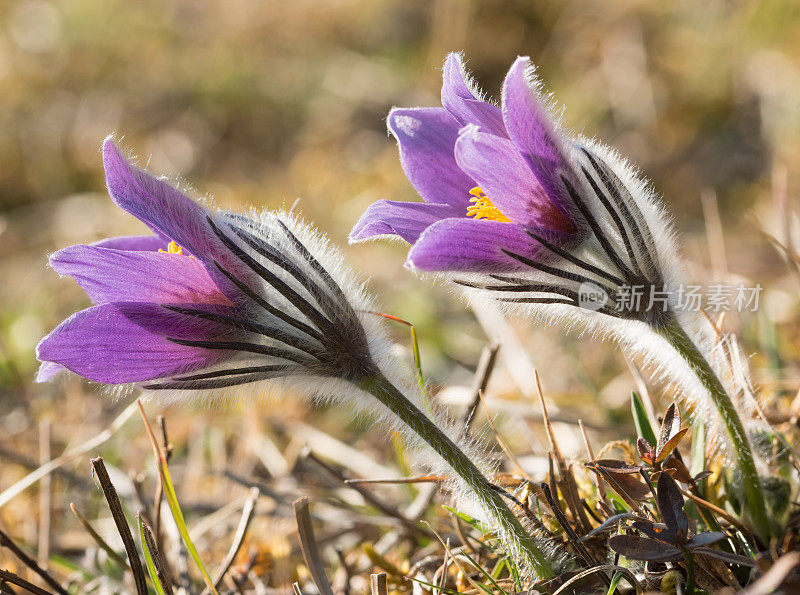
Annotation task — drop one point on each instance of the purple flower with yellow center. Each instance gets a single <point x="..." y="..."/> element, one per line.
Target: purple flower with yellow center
<point x="488" y="176"/>
<point x="507" y="192"/>
<point x="210" y="300"/>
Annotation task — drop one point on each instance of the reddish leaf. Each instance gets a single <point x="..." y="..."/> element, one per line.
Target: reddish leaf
<point x="702" y="475"/>
<point x="623" y="478"/>
<point x="667" y="425"/>
<point x="645" y="450"/>
<point x="677" y="470"/>
<point x="670" y="445"/>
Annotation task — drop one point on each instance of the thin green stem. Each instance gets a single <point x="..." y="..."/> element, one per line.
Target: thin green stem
<point x="383" y="390"/>
<point x="753" y="506"/>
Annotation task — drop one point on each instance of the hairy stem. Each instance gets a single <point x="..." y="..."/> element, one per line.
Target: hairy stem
<point x="420" y="424"/>
<point x="753" y="507"/>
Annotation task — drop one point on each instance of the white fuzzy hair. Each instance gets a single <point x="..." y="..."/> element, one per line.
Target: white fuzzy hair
<point x="659" y="358"/>
<point x="325" y="388"/>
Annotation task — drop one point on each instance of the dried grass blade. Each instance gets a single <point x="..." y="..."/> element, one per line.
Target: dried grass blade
<point x="624" y="571"/>
<point x="569" y="488"/>
<point x="377" y="583"/>
<point x="122" y="524"/>
<point x="601" y="484"/>
<point x="238" y="538"/>
<point x="309" y="546"/>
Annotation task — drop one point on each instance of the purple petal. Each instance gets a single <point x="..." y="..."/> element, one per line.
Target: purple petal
<point x="109" y="343"/>
<point x="167" y="211"/>
<point x="468" y="245"/>
<point x="170" y="214"/>
<point x="427" y="137"/>
<point x="404" y="219"/>
<point x="148" y="243"/>
<point x="109" y="275"/>
<point x="505" y="178"/>
<point x="531" y="130"/>
<point x="461" y="101"/>
<point x="48" y="371"/>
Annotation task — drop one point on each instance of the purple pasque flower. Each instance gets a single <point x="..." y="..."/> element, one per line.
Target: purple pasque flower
<point x="507" y="192"/>
<point x="210" y="300"/>
<point x="488" y="175"/>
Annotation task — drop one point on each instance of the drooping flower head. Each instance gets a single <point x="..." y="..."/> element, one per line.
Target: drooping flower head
<point x="209" y="301"/>
<point x="514" y="204"/>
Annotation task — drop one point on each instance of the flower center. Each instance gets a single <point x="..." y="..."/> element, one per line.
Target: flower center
<point x="482" y="207"/>
<point x="173" y="248"/>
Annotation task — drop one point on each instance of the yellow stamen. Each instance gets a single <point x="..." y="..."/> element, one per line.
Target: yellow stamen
<point x="482" y="207"/>
<point x="173" y="248"/>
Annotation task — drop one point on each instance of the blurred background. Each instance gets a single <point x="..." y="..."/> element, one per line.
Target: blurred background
<point x="263" y="103"/>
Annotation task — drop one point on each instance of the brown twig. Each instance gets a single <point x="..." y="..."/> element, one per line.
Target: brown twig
<point x="158" y="561"/>
<point x="571" y="534"/>
<point x="717" y="510"/>
<point x="45" y="496"/>
<point x="122" y="525"/>
<point x="10" y="577"/>
<point x="97" y="538"/>
<point x="309" y="546"/>
<point x="238" y="539"/>
<point x="601" y="485"/>
<point x="479" y="383"/>
<point x="369" y="497"/>
<point x="569" y="488"/>
<point x="159" y="495"/>
<point x="378" y="583"/>
<point x="6" y="541"/>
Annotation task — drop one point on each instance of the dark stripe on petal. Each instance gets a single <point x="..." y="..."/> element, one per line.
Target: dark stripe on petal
<point x="270" y="253"/>
<point x="615" y="217"/>
<point x="233" y="372"/>
<point x="537" y="300"/>
<point x="597" y="230"/>
<point x="575" y="260"/>
<point x="569" y="276"/>
<point x="299" y="358"/>
<point x="294" y="298"/>
<point x="253" y="327"/>
<point x="299" y="325"/>
<point x="210" y="384"/>
<point x="635" y="219"/>
<point x="531" y="287"/>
